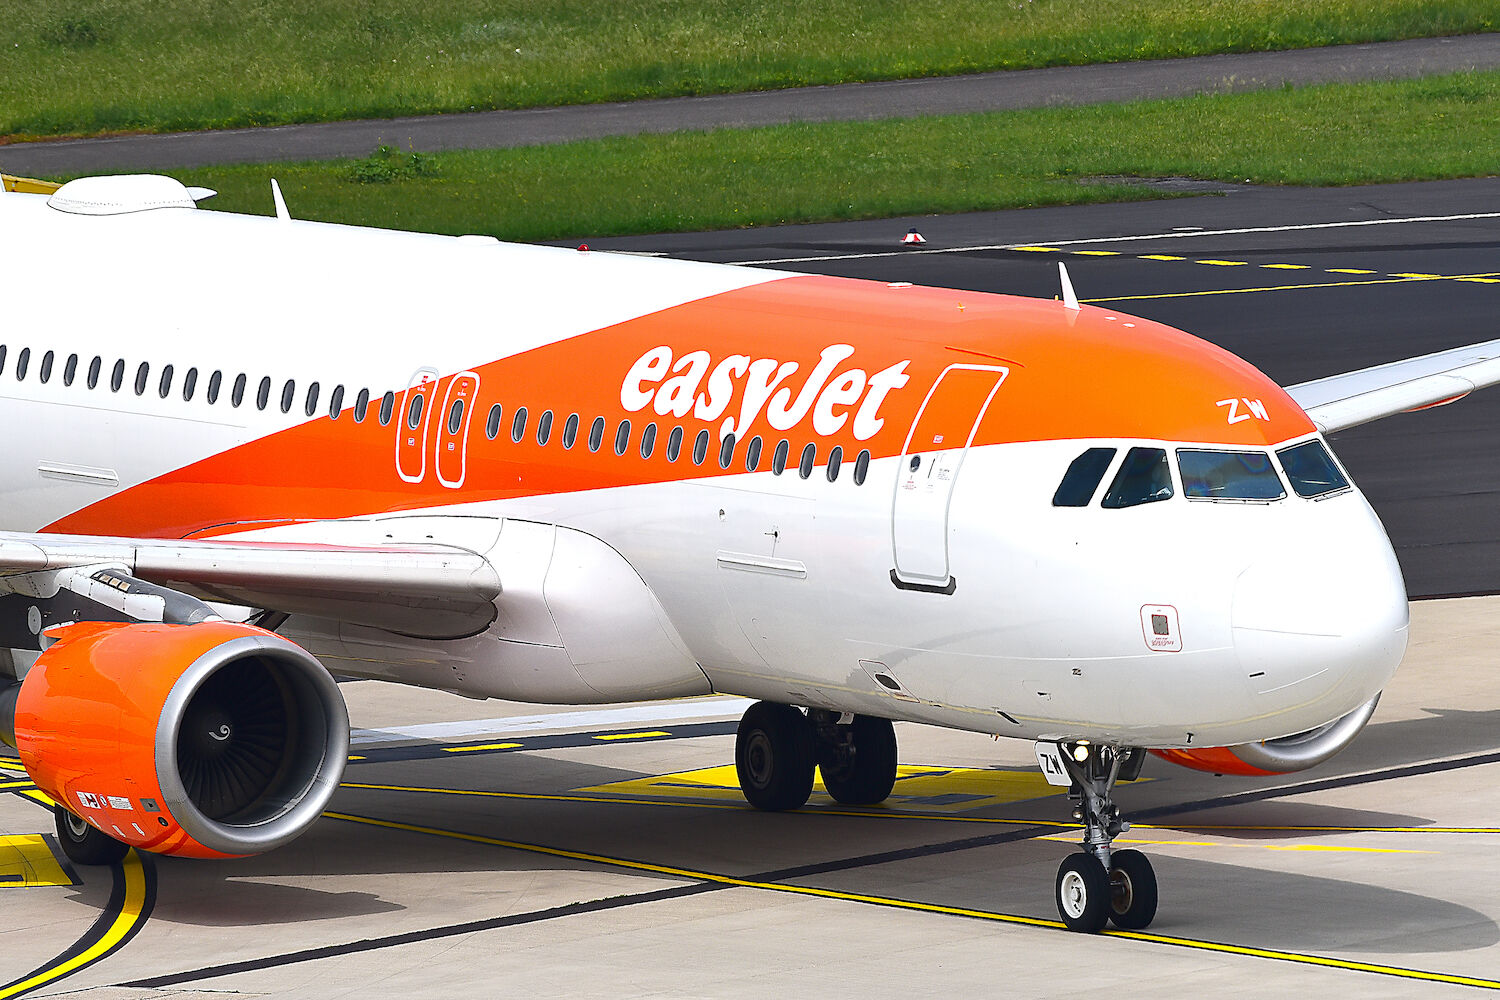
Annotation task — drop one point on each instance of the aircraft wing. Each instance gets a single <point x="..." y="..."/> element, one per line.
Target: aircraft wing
<point x="422" y="589"/>
<point x="1339" y="402"/>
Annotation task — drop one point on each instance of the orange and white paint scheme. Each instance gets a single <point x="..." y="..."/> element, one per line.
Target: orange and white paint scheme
<point x="247" y="452"/>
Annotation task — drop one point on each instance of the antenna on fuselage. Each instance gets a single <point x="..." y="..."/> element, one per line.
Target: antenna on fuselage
<point x="1070" y="300"/>
<point x="281" y="212"/>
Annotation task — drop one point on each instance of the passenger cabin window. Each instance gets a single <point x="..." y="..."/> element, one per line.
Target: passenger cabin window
<point x="726" y="451"/>
<point x="288" y="396"/>
<point x="237" y="394"/>
<point x="700" y="447"/>
<point x="752" y="453"/>
<point x="543" y="427"/>
<point x="142" y="376"/>
<point x="361" y="405"/>
<point x="570" y="431"/>
<point x="311" y="406"/>
<point x="70" y="370"/>
<point x="1082" y="478"/>
<point x="46" y="373"/>
<point x="1311" y="470"/>
<point x="164" y="386"/>
<point x="336" y="402"/>
<point x="1228" y="475"/>
<point x="414" y="411"/>
<point x="861" y="467"/>
<point x="2" y="357"/>
<point x="622" y="437"/>
<point x="778" y="457"/>
<point x="189" y="384"/>
<point x="23" y="360"/>
<point x="215" y="383"/>
<point x="1143" y="478"/>
<point x="492" y="422"/>
<point x="94" y="368"/>
<point x="518" y="425"/>
<point x="809" y="457"/>
<point x="596" y="434"/>
<point x="455" y="416"/>
<point x="835" y="462"/>
<point x="387" y="408"/>
<point x="674" y="444"/>
<point x="263" y="393"/>
<point x="648" y="440"/>
<point x="117" y="376"/>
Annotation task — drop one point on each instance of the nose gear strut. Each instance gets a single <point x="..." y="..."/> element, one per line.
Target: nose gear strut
<point x="1100" y="884"/>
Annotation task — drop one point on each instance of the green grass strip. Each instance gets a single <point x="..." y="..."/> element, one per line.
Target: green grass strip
<point x="84" y="66"/>
<point x="1329" y="135"/>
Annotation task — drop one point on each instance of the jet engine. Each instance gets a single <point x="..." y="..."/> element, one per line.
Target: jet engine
<point x="1279" y="756"/>
<point x="207" y="740"/>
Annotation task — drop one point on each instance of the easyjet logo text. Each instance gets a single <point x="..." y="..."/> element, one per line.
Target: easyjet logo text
<point x="742" y="390"/>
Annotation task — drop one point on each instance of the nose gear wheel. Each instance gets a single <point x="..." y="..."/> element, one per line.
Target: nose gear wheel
<point x="1114" y="886"/>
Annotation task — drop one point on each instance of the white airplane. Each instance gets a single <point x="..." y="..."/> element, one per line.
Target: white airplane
<point x="244" y="452"/>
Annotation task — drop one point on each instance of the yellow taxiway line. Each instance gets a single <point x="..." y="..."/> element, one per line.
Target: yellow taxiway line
<point x="123" y="924"/>
<point x="1300" y="958"/>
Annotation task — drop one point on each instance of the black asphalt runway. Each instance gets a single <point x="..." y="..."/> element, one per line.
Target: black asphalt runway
<point x="1299" y="303"/>
<point x="848" y="102"/>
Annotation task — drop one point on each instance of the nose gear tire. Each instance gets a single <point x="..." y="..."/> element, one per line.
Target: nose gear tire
<point x="1132" y="904"/>
<point x="1083" y="893"/>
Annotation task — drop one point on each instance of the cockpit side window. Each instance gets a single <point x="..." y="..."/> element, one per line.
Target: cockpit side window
<point x="1082" y="478"/>
<point x="1143" y="478"/>
<point x="1228" y="475"/>
<point x="1311" y="470"/>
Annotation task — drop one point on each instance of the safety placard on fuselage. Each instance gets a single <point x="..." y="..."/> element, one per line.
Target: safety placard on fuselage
<point x="1160" y="628"/>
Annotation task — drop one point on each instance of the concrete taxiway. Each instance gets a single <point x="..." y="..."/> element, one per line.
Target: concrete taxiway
<point x="565" y="852"/>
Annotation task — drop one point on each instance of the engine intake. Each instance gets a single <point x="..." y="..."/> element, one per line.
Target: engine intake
<point x="208" y="740"/>
<point x="1279" y="756"/>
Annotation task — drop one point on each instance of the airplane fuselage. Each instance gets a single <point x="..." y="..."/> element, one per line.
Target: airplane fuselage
<point x="694" y="478"/>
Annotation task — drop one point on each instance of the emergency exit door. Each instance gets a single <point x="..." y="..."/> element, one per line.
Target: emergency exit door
<point x="930" y="461"/>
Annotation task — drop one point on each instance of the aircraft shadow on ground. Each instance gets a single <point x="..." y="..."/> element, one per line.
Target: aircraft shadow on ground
<point x="1266" y="908"/>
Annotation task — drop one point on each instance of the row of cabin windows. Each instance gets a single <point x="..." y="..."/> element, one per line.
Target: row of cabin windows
<point x="141" y="380"/>
<point x="754" y="449"/>
<point x="288" y="398"/>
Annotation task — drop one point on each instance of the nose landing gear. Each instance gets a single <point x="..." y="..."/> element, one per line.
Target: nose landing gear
<point x="1100" y="885"/>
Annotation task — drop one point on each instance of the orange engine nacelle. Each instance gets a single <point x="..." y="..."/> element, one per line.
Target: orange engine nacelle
<point x="1279" y="756"/>
<point x="207" y="740"/>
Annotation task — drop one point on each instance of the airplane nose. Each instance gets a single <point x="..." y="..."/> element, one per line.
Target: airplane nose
<point x="1320" y="619"/>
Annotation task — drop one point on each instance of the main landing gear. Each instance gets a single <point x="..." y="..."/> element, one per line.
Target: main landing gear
<point x="83" y="844"/>
<point x="1099" y="885"/>
<point x="777" y="748"/>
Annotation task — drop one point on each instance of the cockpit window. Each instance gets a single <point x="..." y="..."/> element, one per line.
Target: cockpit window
<point x="1311" y="470"/>
<point x="1228" y="475"/>
<point x="1082" y="478"/>
<point x="1143" y="478"/>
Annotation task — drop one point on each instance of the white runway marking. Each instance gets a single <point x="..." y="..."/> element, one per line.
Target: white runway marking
<point x="717" y="708"/>
<point x="1127" y="239"/>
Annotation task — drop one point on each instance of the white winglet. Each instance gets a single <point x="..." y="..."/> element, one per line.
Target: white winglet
<point x="1070" y="300"/>
<point x="281" y="212"/>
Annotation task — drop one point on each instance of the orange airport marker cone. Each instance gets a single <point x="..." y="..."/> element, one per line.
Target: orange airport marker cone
<point x="912" y="236"/>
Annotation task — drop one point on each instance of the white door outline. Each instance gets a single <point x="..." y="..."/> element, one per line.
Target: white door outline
<point x="452" y="449"/>
<point x="411" y="442"/>
<point x="920" y="502"/>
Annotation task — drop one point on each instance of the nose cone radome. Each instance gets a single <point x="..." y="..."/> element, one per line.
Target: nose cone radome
<point x="1320" y="622"/>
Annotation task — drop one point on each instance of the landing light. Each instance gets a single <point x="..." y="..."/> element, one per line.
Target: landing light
<point x="1081" y="752"/>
